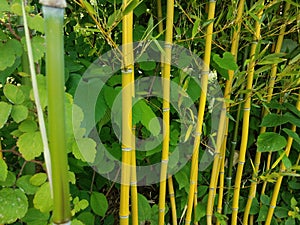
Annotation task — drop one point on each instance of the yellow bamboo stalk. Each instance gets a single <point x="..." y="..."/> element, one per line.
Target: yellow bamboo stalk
<point x="282" y="169"/>
<point x="198" y="131"/>
<point x="127" y="77"/>
<point x="1" y="157"/>
<point x="246" y="117"/>
<point x="159" y="17"/>
<point x="172" y="200"/>
<point x="166" y="111"/>
<point x="133" y="183"/>
<point x="252" y="191"/>
<point x="223" y="127"/>
<point x="221" y="184"/>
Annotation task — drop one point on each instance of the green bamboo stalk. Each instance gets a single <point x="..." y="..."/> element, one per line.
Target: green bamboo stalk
<point x="252" y="191"/>
<point x="54" y="20"/>
<point x="282" y="169"/>
<point x="246" y="117"/>
<point x="166" y="110"/>
<point x="172" y="200"/>
<point x="30" y="63"/>
<point x="159" y="16"/>
<point x="198" y="131"/>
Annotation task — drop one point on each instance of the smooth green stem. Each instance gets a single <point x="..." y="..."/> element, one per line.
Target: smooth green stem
<point x="54" y="18"/>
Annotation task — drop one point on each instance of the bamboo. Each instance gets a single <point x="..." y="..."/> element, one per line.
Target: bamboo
<point x="166" y="110"/>
<point x="252" y="191"/>
<point x="172" y="200"/>
<point x="127" y="92"/>
<point x="133" y="183"/>
<point x="246" y="117"/>
<point x="282" y="169"/>
<point x="198" y="131"/>
<point x="159" y="17"/>
<point x="54" y="18"/>
<point x="219" y="159"/>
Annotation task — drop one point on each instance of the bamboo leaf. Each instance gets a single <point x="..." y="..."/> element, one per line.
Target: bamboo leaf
<point x="292" y="134"/>
<point x="273" y="120"/>
<point x="144" y="209"/>
<point x="89" y="7"/>
<point x="130" y="7"/>
<point x="226" y="62"/>
<point x="270" y="142"/>
<point x="196" y="27"/>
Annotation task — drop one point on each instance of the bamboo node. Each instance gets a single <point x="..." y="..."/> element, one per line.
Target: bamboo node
<point x="198" y="134"/>
<point x="241" y="163"/>
<point x="246" y="109"/>
<point x="192" y="182"/>
<point x="228" y="178"/>
<point x="126" y="71"/>
<point x="272" y="206"/>
<point x="133" y="183"/>
<point x="162" y="210"/>
<point x="187" y="222"/>
<point x="126" y="149"/>
<point x="165" y="161"/>
<point x="235" y="209"/>
<point x="123" y="217"/>
<point x="171" y="194"/>
<point x="166" y="109"/>
<point x="233" y="142"/>
<point x="168" y="46"/>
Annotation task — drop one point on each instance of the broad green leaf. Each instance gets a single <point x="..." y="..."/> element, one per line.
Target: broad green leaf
<point x="3" y="170"/>
<point x="42" y="199"/>
<point x="281" y="212"/>
<point x="144" y="209"/>
<point x="14" y="94"/>
<point x="140" y="9"/>
<point x="87" y="218"/>
<point x="270" y="142"/>
<point x="30" y="145"/>
<point x="265" y="199"/>
<point x="9" y="181"/>
<point x="9" y="53"/>
<point x="79" y="205"/>
<point x="227" y="62"/>
<point x="36" y="22"/>
<point x="38" y="47"/>
<point x="4" y="74"/>
<point x="28" y="126"/>
<point x="99" y="203"/>
<point x="5" y="110"/>
<point x="35" y="217"/>
<point x="4" y="6"/>
<point x="38" y="179"/>
<point x="200" y="211"/>
<point x="262" y="213"/>
<point x="290" y="221"/>
<point x="254" y="207"/>
<point x="292" y="134"/>
<point x="144" y="114"/>
<point x="19" y="113"/>
<point x="13" y="205"/>
<point x="77" y="222"/>
<point x="24" y="184"/>
<point x="116" y="16"/>
<point x="182" y="179"/>
<point x="273" y="120"/>
<point x="16" y="8"/>
<point x="147" y="65"/>
<point x="84" y="149"/>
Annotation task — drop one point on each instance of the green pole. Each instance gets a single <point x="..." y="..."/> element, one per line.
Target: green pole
<point x="53" y="11"/>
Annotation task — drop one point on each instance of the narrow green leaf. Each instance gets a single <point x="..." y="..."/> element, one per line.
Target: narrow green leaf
<point x="99" y="203"/>
<point x="5" y="110"/>
<point x="270" y="142"/>
<point x="130" y="7"/>
<point x="292" y="134"/>
<point x="196" y="27"/>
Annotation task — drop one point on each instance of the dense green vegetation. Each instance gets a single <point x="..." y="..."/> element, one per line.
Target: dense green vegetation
<point x="252" y="49"/>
